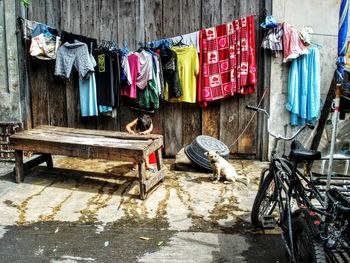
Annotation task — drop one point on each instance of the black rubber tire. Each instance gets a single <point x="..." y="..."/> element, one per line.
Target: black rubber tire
<point x="261" y="197"/>
<point x="306" y="247"/>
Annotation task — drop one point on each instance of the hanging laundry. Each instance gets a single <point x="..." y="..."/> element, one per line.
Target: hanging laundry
<point x="170" y="72"/>
<point x="293" y="47"/>
<point x="73" y="54"/>
<point x="145" y="74"/>
<point x="188" y="65"/>
<point x="228" y="60"/>
<point x="27" y="27"/>
<point x="44" y="47"/>
<point x="304" y="88"/>
<point x="43" y="29"/>
<point x="107" y="77"/>
<point x="70" y="37"/>
<point x="45" y="41"/>
<point x="77" y="54"/>
<point x="191" y="39"/>
<point x="148" y="91"/>
<point x="87" y="93"/>
<point x="273" y="39"/>
<point x="133" y="61"/>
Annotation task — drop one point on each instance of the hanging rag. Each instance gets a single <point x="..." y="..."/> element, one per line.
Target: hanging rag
<point x="293" y="47"/>
<point x="228" y="60"/>
<point x="44" y="47"/>
<point x="304" y="88"/>
<point x="273" y="39"/>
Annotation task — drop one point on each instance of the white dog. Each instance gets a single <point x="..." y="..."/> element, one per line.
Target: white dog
<point x="221" y="167"/>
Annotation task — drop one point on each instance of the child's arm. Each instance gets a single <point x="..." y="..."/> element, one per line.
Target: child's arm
<point x="147" y="131"/>
<point x="130" y="126"/>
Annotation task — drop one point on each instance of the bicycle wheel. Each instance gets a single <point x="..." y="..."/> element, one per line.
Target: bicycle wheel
<point x="265" y="200"/>
<point x="306" y="247"/>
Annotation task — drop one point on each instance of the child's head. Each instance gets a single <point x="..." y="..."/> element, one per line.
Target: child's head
<point x="143" y="122"/>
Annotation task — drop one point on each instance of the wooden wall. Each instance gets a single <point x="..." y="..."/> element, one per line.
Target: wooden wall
<point x="56" y="102"/>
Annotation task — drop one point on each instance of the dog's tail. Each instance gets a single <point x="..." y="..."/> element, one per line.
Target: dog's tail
<point x="246" y="182"/>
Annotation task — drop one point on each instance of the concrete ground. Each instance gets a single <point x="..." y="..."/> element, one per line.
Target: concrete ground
<point x="89" y="211"/>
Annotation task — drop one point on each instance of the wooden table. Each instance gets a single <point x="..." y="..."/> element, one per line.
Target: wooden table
<point x="83" y="143"/>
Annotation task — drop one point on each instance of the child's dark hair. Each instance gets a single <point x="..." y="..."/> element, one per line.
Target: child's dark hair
<point x="143" y="122"/>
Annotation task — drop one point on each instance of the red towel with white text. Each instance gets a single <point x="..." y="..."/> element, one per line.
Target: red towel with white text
<point x="228" y="63"/>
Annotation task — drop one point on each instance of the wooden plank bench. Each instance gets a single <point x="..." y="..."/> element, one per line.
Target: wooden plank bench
<point x="83" y="143"/>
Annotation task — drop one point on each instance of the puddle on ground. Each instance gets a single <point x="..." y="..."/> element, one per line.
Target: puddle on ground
<point x="100" y="192"/>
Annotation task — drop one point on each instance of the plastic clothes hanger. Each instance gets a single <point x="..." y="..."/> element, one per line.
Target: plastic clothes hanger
<point x="180" y="43"/>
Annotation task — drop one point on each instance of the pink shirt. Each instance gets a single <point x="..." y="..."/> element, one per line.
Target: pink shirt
<point x="135" y="68"/>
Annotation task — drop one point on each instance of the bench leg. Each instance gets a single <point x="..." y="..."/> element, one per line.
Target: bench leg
<point x="142" y="179"/>
<point x="49" y="161"/>
<point x="19" y="171"/>
<point x="159" y="159"/>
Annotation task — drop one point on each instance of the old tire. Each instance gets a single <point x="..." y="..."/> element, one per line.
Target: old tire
<point x="306" y="247"/>
<point x="265" y="200"/>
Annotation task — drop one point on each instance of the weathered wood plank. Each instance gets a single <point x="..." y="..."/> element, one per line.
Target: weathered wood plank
<point x="142" y="179"/>
<point x="156" y="178"/>
<point x="247" y="143"/>
<point x="191" y="113"/>
<point x="59" y="140"/>
<point x="127" y="27"/>
<point x="89" y="26"/>
<point x="70" y="21"/>
<point x="229" y="117"/>
<point x="264" y="80"/>
<point x="159" y="159"/>
<point x="19" y="176"/>
<point x="173" y="111"/>
<point x="87" y="151"/>
<point x="153" y="30"/>
<point x="40" y="137"/>
<point x="211" y="16"/>
<point x="38" y="74"/>
<point x="34" y="162"/>
<point x="153" y="20"/>
<point x="111" y="134"/>
<point x="108" y="30"/>
<point x="229" y="120"/>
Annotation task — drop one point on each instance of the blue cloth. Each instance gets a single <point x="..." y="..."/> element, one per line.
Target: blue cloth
<point x="342" y="38"/>
<point x="104" y="109"/>
<point x="44" y="29"/>
<point x="157" y="43"/>
<point x="304" y="83"/>
<point x="88" y="99"/>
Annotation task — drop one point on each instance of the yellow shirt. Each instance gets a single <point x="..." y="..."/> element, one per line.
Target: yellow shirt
<point x="188" y="67"/>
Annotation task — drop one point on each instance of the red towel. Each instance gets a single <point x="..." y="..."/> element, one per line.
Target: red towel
<point x="228" y="60"/>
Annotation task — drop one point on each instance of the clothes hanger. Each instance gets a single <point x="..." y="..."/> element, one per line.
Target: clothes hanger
<point x="180" y="43"/>
<point x="313" y="44"/>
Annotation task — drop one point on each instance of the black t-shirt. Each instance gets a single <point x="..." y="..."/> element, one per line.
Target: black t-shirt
<point x="107" y="77"/>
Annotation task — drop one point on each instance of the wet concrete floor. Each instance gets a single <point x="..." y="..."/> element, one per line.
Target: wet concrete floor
<point x="89" y="211"/>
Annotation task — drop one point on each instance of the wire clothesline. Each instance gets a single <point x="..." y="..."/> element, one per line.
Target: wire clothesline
<point x="251" y="119"/>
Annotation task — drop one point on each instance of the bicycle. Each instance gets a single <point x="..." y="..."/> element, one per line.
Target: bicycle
<point x="305" y="230"/>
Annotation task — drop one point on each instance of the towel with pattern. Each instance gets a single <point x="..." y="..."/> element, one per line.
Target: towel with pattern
<point x="228" y="60"/>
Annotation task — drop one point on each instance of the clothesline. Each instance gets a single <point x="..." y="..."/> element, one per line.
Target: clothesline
<point x="209" y="64"/>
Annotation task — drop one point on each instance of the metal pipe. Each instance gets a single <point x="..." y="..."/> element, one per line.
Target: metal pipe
<point x="335" y="116"/>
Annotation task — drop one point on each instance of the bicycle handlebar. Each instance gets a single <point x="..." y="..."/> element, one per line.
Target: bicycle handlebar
<point x="278" y="137"/>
